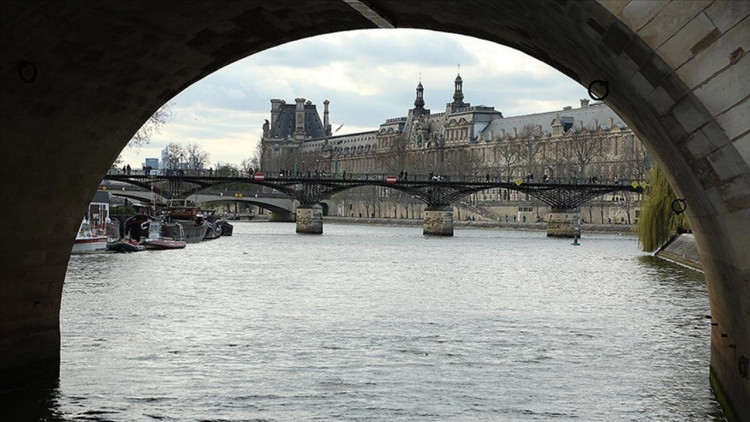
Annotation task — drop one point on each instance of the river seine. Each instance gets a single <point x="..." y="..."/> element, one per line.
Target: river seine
<point x="380" y="323"/>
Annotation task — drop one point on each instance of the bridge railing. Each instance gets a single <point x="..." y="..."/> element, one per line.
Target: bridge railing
<point x="402" y="176"/>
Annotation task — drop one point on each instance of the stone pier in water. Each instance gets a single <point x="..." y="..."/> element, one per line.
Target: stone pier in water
<point x="310" y="219"/>
<point x="564" y="222"/>
<point x="438" y="221"/>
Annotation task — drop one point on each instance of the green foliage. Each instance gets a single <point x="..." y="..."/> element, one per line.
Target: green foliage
<point x="122" y="209"/>
<point x="657" y="221"/>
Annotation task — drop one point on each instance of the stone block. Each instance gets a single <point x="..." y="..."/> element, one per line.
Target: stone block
<point x="739" y="247"/>
<point x="736" y="193"/>
<point x="727" y="163"/>
<point x="743" y="147"/>
<point x="677" y="50"/>
<point x="626" y="66"/>
<point x="660" y="100"/>
<point x="734" y="121"/>
<point x="614" y="6"/>
<point x="716" y="56"/>
<point x="727" y="88"/>
<point x="641" y="85"/>
<point x="726" y="13"/>
<point x="690" y="114"/>
<point x="637" y="14"/>
<point x="670" y="19"/>
<point x="699" y="145"/>
<point x="638" y="51"/>
<point x="716" y="203"/>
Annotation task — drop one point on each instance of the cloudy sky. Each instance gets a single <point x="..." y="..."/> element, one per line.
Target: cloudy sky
<point x="368" y="76"/>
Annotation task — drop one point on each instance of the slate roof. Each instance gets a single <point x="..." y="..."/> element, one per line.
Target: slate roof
<point x="597" y="111"/>
<point x="285" y="125"/>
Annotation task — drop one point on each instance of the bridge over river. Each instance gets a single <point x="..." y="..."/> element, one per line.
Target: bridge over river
<point x="305" y="193"/>
<point x="75" y="92"/>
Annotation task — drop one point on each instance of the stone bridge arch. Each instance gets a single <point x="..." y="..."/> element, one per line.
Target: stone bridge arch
<point x="78" y="81"/>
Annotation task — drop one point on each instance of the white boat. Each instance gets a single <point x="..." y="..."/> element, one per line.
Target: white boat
<point x="92" y="234"/>
<point x="88" y="240"/>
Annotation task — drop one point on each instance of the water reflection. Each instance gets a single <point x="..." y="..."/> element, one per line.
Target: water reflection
<point x="40" y="402"/>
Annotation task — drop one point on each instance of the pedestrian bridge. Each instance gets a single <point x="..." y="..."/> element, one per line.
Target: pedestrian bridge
<point x="438" y="193"/>
<point x="77" y="83"/>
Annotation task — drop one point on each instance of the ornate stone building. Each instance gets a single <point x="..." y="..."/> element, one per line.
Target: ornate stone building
<point x="588" y="144"/>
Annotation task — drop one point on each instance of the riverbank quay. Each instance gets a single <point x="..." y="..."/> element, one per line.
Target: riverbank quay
<point x="528" y="226"/>
<point x="681" y="248"/>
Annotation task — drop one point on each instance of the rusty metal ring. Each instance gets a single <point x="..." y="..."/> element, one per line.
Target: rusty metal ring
<point x="27" y="71"/>
<point x="678" y="206"/>
<point x="601" y="83"/>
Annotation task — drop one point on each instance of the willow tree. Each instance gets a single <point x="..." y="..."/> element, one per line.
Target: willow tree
<point x="658" y="219"/>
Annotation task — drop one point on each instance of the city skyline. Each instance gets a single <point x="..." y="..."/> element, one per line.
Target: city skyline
<point x="367" y="75"/>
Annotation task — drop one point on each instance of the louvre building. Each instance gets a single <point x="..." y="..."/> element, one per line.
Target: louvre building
<point x="587" y="144"/>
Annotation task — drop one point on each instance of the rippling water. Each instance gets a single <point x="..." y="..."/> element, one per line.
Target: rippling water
<point x="380" y="324"/>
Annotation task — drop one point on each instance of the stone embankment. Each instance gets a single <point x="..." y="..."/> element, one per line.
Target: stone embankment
<point x="681" y="248"/>
<point x="416" y="222"/>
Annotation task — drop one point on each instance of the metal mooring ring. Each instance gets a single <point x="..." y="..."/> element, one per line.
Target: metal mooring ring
<point x="598" y="83"/>
<point x="679" y="206"/>
<point x="27" y="71"/>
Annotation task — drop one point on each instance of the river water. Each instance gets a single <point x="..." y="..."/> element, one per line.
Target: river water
<point x="381" y="324"/>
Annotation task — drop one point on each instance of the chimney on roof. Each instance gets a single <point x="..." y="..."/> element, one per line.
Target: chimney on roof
<point x="326" y="124"/>
<point x="584" y="102"/>
<point x="275" y="110"/>
<point x="299" y="119"/>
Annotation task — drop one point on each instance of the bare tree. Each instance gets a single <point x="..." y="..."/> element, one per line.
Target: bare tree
<point x="196" y="157"/>
<point x="175" y="155"/>
<point x="529" y="137"/>
<point x="510" y="151"/>
<point x="637" y="159"/>
<point x="249" y="165"/>
<point x="579" y="148"/>
<point x="152" y="126"/>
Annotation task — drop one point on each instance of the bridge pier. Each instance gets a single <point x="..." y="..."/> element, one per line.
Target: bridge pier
<point x="310" y="219"/>
<point x="438" y="221"/>
<point x="564" y="222"/>
<point x="281" y="217"/>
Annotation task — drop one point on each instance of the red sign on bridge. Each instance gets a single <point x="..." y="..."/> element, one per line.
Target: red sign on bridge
<point x="390" y="179"/>
<point x="259" y="177"/>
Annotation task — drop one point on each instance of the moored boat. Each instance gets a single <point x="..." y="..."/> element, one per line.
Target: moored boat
<point x="88" y="240"/>
<point x="226" y="228"/>
<point x="155" y="240"/>
<point x="125" y="245"/>
<point x="192" y="226"/>
<point x="92" y="233"/>
<point x="213" y="231"/>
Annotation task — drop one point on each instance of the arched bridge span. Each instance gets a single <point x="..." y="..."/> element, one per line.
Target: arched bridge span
<point x="75" y="92"/>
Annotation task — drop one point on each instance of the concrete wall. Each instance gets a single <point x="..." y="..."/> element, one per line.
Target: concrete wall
<point x="77" y="82"/>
